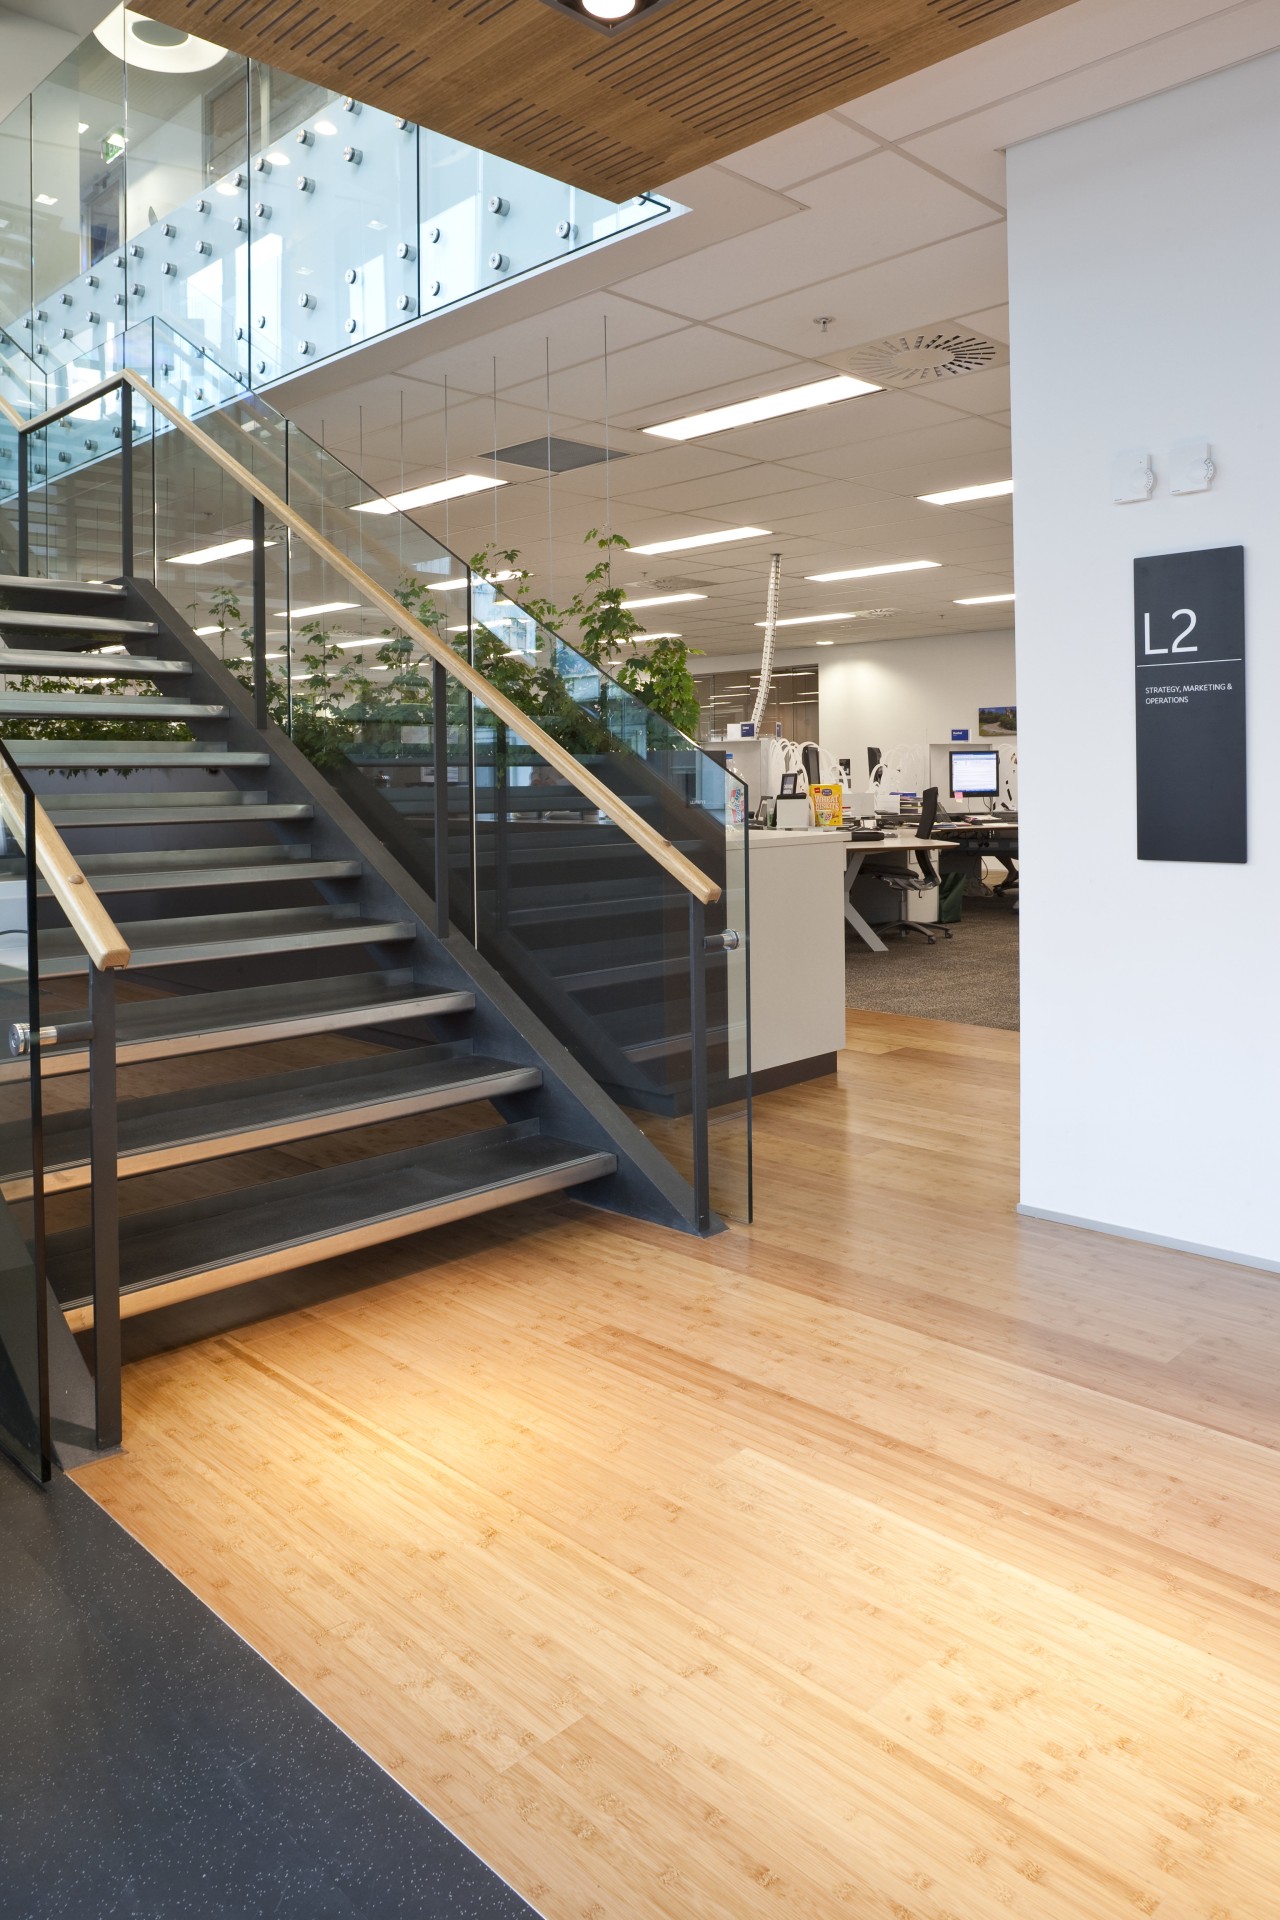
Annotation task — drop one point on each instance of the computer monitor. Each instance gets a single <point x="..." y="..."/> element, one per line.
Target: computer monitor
<point x="975" y="771"/>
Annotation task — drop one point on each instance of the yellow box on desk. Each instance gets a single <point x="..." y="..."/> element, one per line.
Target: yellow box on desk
<point x="826" y="799"/>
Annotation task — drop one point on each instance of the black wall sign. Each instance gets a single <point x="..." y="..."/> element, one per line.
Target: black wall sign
<point x="1189" y="660"/>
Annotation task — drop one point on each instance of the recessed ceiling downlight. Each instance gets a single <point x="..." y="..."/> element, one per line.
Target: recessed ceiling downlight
<point x="140" y="42"/>
<point x="606" y="16"/>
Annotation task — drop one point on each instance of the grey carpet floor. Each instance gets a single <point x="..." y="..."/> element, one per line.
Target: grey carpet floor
<point x="973" y="977"/>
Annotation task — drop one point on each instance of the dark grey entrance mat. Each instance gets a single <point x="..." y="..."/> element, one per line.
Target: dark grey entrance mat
<point x="154" y="1768"/>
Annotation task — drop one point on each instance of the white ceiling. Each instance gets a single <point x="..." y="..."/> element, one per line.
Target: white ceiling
<point x="35" y="36"/>
<point x="884" y="216"/>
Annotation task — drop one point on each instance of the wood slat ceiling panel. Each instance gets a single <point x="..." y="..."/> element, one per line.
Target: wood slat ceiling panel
<point x="685" y="86"/>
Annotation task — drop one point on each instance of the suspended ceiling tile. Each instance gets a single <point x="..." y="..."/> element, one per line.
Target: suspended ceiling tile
<point x="868" y="461"/>
<point x="572" y="335"/>
<point x="714" y="492"/>
<point x="671" y="375"/>
<point x="933" y="283"/>
<point x="991" y="320"/>
<point x="811" y="148"/>
<point x="878" y="208"/>
<point x="985" y="392"/>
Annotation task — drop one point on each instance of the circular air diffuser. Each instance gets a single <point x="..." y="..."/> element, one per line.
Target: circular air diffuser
<point x="922" y="358"/>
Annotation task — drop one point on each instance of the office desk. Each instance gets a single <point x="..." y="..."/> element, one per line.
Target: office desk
<point x="859" y="852"/>
<point x="999" y="838"/>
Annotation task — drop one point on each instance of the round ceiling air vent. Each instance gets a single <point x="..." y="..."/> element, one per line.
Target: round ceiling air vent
<point x="140" y="42"/>
<point x="922" y="357"/>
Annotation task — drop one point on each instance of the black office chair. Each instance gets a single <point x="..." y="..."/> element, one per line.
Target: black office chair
<point x="919" y="879"/>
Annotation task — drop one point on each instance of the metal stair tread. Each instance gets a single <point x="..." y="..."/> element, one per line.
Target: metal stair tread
<point x="67" y="665"/>
<point x="209" y="1022"/>
<point x="178" y="1128"/>
<point x="105" y="706"/>
<point x="89" y="623"/>
<point x="129" y="753"/>
<point x="289" y="1222"/>
<point x="589" y="979"/>
<point x="225" y="936"/>
<point x="34" y="582"/>
<point x="167" y="809"/>
<point x="198" y="867"/>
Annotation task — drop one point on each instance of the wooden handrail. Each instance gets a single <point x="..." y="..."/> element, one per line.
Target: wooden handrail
<point x="93" y="926"/>
<point x="656" y="845"/>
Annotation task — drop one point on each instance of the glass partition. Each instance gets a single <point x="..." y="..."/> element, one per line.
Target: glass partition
<point x="24" y="1369"/>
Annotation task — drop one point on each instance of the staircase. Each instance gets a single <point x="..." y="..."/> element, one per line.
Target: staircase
<point x="282" y="1014"/>
<point x="267" y="926"/>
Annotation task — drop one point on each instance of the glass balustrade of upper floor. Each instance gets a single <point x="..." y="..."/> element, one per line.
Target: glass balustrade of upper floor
<point x="154" y="175"/>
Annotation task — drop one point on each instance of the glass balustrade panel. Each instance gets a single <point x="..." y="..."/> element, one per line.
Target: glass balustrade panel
<point x="80" y="275"/>
<point x="24" y="1374"/>
<point x="334" y="212"/>
<point x="186" y="191"/>
<point x="16" y="253"/>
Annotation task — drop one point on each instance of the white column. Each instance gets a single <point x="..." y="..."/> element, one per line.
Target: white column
<point x="1145" y="302"/>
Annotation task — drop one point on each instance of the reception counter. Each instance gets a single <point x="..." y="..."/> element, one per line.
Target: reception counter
<point x="797" y="954"/>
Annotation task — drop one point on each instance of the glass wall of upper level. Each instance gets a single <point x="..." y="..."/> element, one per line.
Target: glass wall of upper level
<point x="154" y="175"/>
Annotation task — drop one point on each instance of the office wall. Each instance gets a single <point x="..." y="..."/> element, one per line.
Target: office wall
<point x="896" y="692"/>
<point x="888" y="693"/>
<point x="1145" y="288"/>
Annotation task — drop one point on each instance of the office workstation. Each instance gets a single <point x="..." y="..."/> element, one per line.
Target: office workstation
<point x="853" y="873"/>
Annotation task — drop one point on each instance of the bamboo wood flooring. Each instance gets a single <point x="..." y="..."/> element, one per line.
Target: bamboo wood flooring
<point x="897" y="1558"/>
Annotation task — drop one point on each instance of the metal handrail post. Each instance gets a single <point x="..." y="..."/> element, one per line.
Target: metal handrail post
<point x="440" y="764"/>
<point x="259" y="615"/>
<point x="24" y="504"/>
<point x="698" y="1092"/>
<point x="126" y="479"/>
<point x="105" y="1206"/>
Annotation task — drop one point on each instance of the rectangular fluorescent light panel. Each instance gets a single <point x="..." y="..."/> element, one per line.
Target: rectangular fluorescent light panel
<point x="323" y="606"/>
<point x="867" y="573"/>
<point x="704" y="540"/>
<point x="431" y="496"/>
<point x="204" y="556"/>
<point x="811" y="619"/>
<point x="659" y="636"/>
<point x="768" y="406"/>
<point x="660" y="600"/>
<point x="991" y="491"/>
<point x="985" y="600"/>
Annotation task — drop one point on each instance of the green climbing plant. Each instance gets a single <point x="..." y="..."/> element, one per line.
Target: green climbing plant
<point x="336" y="699"/>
